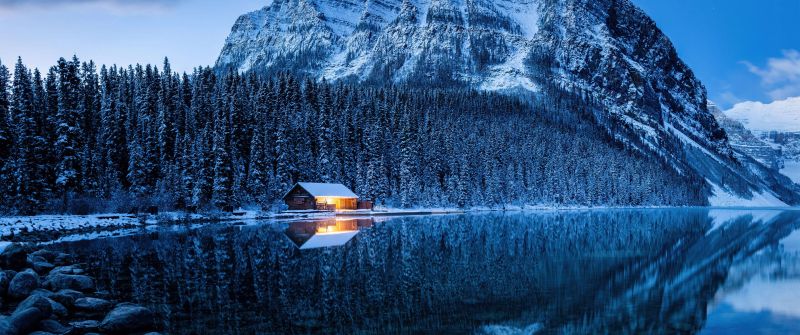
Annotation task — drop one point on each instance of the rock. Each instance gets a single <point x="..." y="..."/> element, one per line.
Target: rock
<point x="54" y="327"/>
<point x="58" y="309"/>
<point x="23" y="284"/>
<point x="42" y="267"/>
<point x="63" y="258"/>
<point x="48" y="255"/>
<point x="21" y="322"/>
<point x="67" y="270"/>
<point x="67" y="297"/>
<point x="60" y="281"/>
<point x="82" y="327"/>
<point x="5" y="279"/>
<point x="153" y="333"/>
<point x="14" y="257"/>
<point x="39" y="332"/>
<point x="92" y="305"/>
<point x="126" y="318"/>
<point x="36" y="301"/>
<point x="42" y="292"/>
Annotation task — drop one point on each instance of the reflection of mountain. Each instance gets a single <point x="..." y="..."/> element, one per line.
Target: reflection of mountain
<point x="614" y="271"/>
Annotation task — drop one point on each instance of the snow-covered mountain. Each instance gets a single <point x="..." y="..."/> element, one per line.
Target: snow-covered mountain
<point x="610" y="50"/>
<point x="745" y="142"/>
<point x="778" y="125"/>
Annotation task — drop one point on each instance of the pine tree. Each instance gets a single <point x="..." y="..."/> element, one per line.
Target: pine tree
<point x="6" y="139"/>
<point x="27" y="186"/>
<point x="408" y="155"/>
<point x="223" y="166"/>
<point x="68" y="129"/>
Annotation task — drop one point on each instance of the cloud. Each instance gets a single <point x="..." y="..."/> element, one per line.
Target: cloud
<point x="114" y="6"/>
<point x="780" y="76"/>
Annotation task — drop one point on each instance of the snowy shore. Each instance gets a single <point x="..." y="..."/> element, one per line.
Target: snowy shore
<point x="65" y="227"/>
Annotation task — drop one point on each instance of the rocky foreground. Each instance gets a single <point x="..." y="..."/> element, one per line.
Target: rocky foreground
<point x="43" y="292"/>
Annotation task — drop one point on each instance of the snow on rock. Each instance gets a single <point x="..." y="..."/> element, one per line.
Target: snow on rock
<point x="724" y="198"/>
<point x="14" y="225"/>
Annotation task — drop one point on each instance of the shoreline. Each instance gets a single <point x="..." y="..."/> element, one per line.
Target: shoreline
<point x="49" y="228"/>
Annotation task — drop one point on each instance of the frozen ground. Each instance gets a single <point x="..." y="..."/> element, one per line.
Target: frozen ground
<point x="723" y="198"/>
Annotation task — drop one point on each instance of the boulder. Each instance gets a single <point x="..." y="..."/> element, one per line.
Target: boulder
<point x="58" y="309"/>
<point x="54" y="327"/>
<point x="36" y="301"/>
<point x="23" y="284"/>
<point x="92" y="305"/>
<point x="48" y="255"/>
<point x="14" y="257"/>
<point x="63" y="258"/>
<point x="66" y="297"/>
<point x="60" y="281"/>
<point x="42" y="267"/>
<point x="5" y="278"/>
<point x="67" y="270"/>
<point x="127" y="318"/>
<point x="83" y="327"/>
<point x="42" y="292"/>
<point x="22" y="321"/>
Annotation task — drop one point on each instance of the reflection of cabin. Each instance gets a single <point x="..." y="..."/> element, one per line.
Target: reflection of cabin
<point x="317" y="196"/>
<point x="326" y="233"/>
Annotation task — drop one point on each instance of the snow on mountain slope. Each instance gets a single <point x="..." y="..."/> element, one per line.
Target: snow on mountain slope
<point x="778" y="125"/>
<point x="744" y="141"/>
<point x="780" y="116"/>
<point x="609" y="50"/>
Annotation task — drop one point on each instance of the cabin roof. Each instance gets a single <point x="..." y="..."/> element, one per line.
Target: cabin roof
<point x="325" y="190"/>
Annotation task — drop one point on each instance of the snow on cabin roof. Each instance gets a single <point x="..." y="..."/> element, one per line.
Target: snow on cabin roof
<point x="324" y="240"/>
<point x="327" y="190"/>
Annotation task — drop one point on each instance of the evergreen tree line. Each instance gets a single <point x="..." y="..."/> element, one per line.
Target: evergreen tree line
<point x="79" y="139"/>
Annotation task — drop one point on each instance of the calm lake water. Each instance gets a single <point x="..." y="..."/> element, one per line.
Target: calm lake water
<point x="611" y="271"/>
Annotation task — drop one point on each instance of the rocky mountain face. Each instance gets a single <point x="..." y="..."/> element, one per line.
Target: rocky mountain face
<point x="608" y="50"/>
<point x="743" y="141"/>
<point x="776" y="125"/>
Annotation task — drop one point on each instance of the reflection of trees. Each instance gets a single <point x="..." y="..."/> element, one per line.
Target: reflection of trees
<point x="614" y="270"/>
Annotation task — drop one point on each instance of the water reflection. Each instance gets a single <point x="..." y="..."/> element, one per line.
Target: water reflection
<point x="620" y="271"/>
<point x="326" y="232"/>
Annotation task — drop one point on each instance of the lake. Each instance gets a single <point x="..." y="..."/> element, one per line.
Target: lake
<point x="567" y="272"/>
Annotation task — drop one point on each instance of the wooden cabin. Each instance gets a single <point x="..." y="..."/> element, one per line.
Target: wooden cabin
<point x="319" y="196"/>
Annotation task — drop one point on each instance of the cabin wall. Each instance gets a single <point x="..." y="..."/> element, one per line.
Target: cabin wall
<point x="298" y="199"/>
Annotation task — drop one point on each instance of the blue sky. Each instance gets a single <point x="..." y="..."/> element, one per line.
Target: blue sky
<point x="741" y="49"/>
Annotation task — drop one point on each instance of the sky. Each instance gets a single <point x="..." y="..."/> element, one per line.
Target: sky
<point x="741" y="49"/>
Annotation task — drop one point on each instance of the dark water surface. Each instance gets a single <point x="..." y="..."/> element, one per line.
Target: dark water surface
<point x="606" y="271"/>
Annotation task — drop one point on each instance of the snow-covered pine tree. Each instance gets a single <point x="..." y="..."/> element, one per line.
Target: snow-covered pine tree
<point x="223" y="166"/>
<point x="6" y="140"/>
<point x="69" y="141"/>
<point x="28" y="188"/>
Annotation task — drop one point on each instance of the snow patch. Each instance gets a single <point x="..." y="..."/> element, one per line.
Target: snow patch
<point x="791" y="169"/>
<point x="524" y="13"/>
<point x="724" y="198"/>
